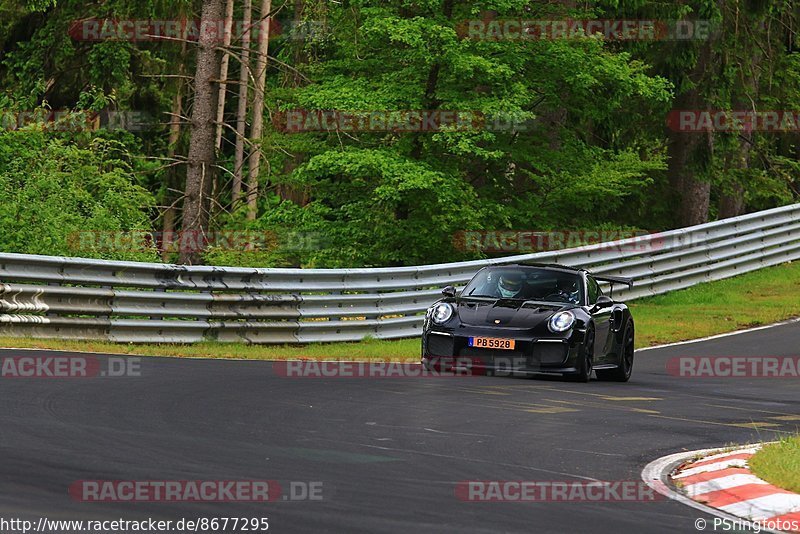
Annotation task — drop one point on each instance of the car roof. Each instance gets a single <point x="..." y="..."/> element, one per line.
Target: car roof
<point x="549" y="266"/>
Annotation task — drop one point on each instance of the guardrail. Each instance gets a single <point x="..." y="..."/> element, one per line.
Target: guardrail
<point x="78" y="298"/>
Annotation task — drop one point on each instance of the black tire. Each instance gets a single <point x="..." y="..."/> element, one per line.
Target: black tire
<point x="585" y="358"/>
<point x="623" y="372"/>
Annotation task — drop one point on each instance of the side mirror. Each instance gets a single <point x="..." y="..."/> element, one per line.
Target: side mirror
<point x="603" y="302"/>
<point x="449" y="291"/>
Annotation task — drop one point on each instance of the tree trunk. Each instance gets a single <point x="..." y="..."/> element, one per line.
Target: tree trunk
<point x="685" y="150"/>
<point x="297" y="195"/>
<point x="731" y="201"/>
<point x="223" y="77"/>
<point x="241" y="112"/>
<point x="254" y="161"/>
<point x="689" y="153"/>
<point x="200" y="160"/>
<point x="170" y="215"/>
<point x="299" y="50"/>
<point x="223" y="71"/>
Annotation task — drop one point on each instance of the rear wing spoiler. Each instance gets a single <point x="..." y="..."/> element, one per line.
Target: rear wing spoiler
<point x="615" y="280"/>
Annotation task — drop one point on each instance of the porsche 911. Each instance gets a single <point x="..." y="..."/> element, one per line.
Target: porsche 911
<point x="527" y="319"/>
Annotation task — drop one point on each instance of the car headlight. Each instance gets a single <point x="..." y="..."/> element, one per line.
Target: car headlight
<point x="561" y="322"/>
<point x="441" y="313"/>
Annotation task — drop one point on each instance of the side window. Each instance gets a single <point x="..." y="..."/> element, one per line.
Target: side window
<point x="594" y="290"/>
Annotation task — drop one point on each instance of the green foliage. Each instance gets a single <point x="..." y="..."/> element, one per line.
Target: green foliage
<point x="60" y="198"/>
<point x="749" y="62"/>
<point x="559" y="147"/>
<point x="569" y="133"/>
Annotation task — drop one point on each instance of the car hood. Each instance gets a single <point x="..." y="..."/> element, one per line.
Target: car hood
<point x="507" y="313"/>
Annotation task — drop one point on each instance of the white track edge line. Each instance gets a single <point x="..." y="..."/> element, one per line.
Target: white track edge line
<point x="724" y="334"/>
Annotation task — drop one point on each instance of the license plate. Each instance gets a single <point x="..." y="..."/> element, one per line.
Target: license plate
<point x="491" y="343"/>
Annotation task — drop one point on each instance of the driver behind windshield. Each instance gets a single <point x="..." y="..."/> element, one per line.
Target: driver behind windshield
<point x="566" y="290"/>
<point x="527" y="284"/>
<point x="509" y="285"/>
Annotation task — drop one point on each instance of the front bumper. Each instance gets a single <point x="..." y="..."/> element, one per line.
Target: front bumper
<point x="444" y="349"/>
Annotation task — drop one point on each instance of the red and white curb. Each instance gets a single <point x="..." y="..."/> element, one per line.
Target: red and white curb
<point x="721" y="484"/>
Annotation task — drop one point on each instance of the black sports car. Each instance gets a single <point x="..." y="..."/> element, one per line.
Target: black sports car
<point x="530" y="319"/>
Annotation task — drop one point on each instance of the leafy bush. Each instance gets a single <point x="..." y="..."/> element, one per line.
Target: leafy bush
<point x="56" y="193"/>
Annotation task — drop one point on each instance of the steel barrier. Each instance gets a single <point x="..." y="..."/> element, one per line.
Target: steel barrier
<point x="79" y="298"/>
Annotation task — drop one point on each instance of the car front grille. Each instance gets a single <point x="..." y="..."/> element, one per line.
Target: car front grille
<point x="549" y="353"/>
<point x="441" y="346"/>
<point x="492" y="357"/>
<point x="535" y="356"/>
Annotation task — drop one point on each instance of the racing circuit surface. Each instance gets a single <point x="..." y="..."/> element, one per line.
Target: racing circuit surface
<point x="389" y="452"/>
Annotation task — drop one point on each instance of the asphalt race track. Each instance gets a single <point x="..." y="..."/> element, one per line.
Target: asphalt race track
<point x="389" y="452"/>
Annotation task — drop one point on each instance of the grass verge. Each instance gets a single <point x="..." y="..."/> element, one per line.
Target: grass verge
<point x="758" y="298"/>
<point x="372" y="349"/>
<point x="779" y="463"/>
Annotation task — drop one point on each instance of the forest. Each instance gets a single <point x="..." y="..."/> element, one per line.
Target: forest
<point x="359" y="133"/>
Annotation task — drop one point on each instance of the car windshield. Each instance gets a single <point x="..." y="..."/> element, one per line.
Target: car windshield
<point x="526" y="283"/>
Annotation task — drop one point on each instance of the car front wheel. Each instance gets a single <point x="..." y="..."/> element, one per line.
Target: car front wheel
<point x="623" y="372"/>
<point x="585" y="357"/>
